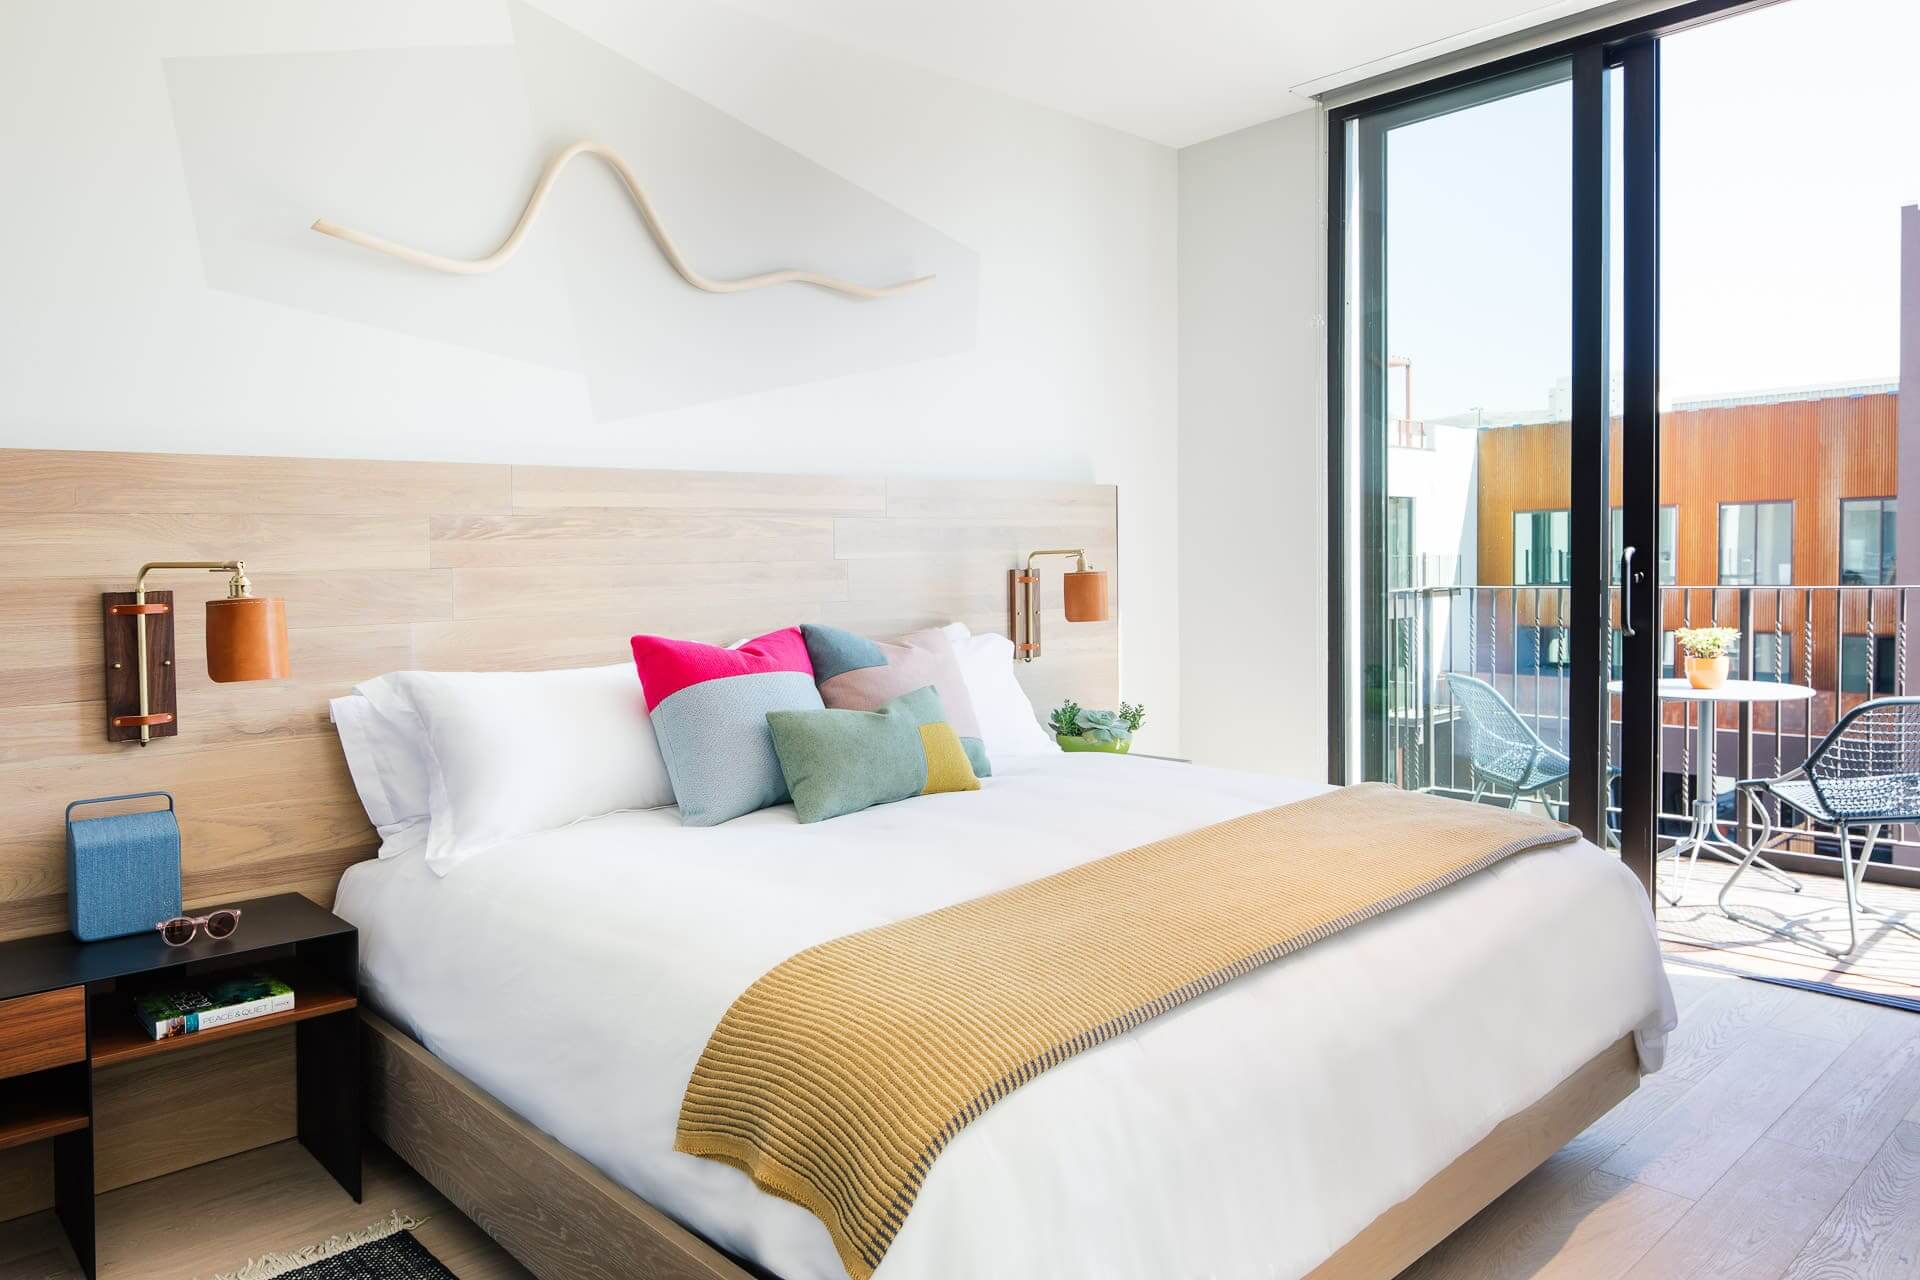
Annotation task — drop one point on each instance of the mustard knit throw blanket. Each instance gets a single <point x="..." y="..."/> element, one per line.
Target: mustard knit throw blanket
<point x="837" y="1078"/>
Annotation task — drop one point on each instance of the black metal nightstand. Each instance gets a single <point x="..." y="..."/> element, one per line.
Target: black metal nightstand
<point x="65" y="1010"/>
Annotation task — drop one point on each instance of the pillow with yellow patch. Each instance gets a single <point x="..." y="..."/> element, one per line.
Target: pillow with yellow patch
<point x="839" y="762"/>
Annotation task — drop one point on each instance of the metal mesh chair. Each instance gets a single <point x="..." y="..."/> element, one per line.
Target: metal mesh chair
<point x="1866" y="774"/>
<point x="1504" y="754"/>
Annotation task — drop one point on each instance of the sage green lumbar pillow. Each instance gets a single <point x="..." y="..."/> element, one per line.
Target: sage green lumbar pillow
<point x="839" y="762"/>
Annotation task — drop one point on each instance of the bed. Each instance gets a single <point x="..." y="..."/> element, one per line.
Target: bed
<point x="544" y="1006"/>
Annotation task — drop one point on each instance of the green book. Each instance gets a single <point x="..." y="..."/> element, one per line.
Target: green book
<point x="180" y="1011"/>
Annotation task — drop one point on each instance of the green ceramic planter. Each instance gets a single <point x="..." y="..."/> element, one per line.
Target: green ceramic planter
<point x="1079" y="742"/>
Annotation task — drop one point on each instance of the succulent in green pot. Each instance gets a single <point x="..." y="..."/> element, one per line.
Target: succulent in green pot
<point x="1077" y="728"/>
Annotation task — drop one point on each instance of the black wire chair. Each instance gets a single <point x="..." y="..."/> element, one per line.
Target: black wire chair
<point x="1866" y="774"/>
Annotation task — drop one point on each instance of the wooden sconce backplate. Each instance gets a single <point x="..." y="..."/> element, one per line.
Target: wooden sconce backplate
<point x="123" y="680"/>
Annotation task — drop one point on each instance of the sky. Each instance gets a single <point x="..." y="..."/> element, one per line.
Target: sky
<point x="1788" y="146"/>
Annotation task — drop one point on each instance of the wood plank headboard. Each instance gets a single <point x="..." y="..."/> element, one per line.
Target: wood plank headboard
<point x="391" y="565"/>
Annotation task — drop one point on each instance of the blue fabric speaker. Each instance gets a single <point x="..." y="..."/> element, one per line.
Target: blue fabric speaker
<point x="123" y="870"/>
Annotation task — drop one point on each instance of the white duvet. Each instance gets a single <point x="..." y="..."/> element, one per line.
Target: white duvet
<point x="576" y="975"/>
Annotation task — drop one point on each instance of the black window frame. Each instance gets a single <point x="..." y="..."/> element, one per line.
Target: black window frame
<point x="1889" y="558"/>
<point x="1720" y="546"/>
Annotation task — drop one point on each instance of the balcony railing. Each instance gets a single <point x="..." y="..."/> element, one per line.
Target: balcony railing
<point x="1847" y="643"/>
<point x="1409" y="433"/>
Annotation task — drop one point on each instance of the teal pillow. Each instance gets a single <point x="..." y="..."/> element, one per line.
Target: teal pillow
<point x="839" y="762"/>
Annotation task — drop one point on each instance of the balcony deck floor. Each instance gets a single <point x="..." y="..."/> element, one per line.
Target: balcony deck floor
<point x="1887" y="961"/>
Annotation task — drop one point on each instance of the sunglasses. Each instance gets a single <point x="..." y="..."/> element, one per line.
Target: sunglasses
<point x="179" y="931"/>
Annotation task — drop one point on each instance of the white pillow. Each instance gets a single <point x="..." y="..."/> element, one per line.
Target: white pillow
<point x="386" y="755"/>
<point x="1008" y="725"/>
<point x="514" y="752"/>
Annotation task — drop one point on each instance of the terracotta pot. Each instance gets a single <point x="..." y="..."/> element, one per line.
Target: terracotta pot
<point x="1707" y="673"/>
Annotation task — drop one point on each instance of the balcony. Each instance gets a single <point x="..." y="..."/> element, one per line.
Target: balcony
<point x="1847" y="643"/>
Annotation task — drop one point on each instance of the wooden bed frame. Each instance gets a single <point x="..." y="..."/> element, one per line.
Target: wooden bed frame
<point x="565" y="1220"/>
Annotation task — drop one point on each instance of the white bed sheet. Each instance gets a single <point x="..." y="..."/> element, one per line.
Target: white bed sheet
<point x="576" y="975"/>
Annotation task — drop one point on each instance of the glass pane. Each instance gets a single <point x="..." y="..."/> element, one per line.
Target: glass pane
<point x="1773" y="543"/>
<point x="1859" y="542"/>
<point x="1736" y="543"/>
<point x="1402" y="571"/>
<point x="1789" y="280"/>
<point x="1868" y="538"/>
<point x="1457" y="399"/>
<point x="1865" y="668"/>
<point x="1889" y="535"/>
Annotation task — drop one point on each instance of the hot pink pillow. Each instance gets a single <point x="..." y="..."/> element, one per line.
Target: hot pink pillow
<point x="709" y="708"/>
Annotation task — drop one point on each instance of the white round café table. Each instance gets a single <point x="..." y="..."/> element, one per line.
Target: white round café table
<point x="1705" y="833"/>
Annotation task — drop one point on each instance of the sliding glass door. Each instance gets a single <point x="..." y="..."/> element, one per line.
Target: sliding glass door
<point x="1513" y="559"/>
<point x="1497" y="541"/>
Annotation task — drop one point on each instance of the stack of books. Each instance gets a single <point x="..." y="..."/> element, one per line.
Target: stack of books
<point x="181" y="1011"/>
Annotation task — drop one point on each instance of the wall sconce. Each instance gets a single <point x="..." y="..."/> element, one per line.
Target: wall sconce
<point x="246" y="640"/>
<point x="1084" y="589"/>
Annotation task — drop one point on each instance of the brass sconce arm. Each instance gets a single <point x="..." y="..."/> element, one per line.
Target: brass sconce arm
<point x="237" y="585"/>
<point x="1078" y="553"/>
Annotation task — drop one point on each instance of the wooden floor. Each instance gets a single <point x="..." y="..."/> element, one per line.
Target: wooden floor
<point x="216" y="1217"/>
<point x="1782" y="1140"/>
<point x="1886" y="962"/>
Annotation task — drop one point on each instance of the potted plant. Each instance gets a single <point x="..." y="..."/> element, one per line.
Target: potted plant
<point x="1076" y="728"/>
<point x="1707" y="650"/>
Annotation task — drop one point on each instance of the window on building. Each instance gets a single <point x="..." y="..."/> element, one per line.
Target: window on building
<point x="1771" y="653"/>
<point x="1756" y="544"/>
<point x="1853" y="664"/>
<point x="1669" y="543"/>
<point x="1866" y="541"/>
<point x="1538" y="649"/>
<point x="1542" y="545"/>
<point x="1400" y="553"/>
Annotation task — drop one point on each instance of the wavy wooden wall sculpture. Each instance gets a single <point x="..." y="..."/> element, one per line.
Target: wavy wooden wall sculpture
<point x="508" y="247"/>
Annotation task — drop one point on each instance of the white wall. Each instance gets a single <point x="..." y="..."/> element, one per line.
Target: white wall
<point x="159" y="289"/>
<point x="1443" y="483"/>
<point x="1253" y="548"/>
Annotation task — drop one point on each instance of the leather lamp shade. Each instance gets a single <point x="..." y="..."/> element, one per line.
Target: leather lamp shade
<point x="1086" y="595"/>
<point x="247" y="639"/>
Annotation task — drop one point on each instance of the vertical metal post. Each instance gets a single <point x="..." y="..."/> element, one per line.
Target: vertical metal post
<point x="1640" y="454"/>
<point x="1589" y="529"/>
<point x="1745" y="755"/>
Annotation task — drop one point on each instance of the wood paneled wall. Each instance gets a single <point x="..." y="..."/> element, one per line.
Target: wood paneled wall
<point x="388" y="566"/>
